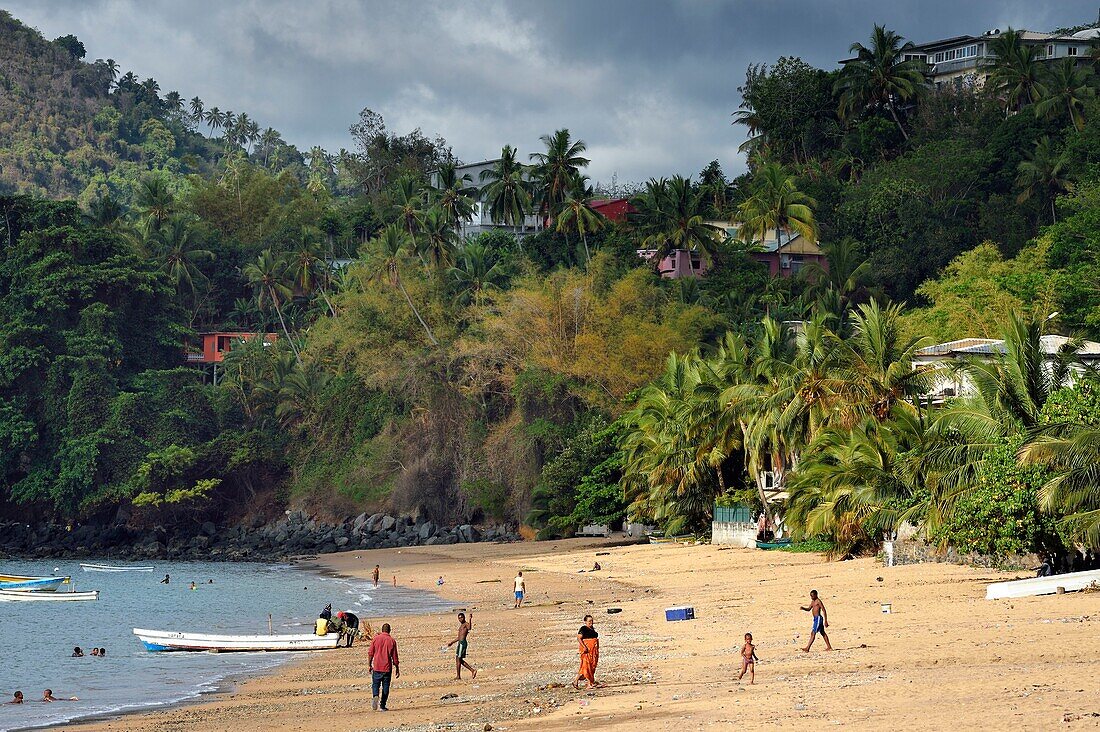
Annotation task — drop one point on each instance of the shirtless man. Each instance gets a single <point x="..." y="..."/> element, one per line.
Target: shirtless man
<point x="820" y="621"/>
<point x="374" y="574"/>
<point x="17" y="699"/>
<point x="464" y="627"/>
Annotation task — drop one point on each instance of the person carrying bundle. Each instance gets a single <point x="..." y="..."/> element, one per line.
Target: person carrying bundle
<point x="347" y="627"/>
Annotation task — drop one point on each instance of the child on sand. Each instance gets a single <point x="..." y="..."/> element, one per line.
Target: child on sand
<point x="748" y="659"/>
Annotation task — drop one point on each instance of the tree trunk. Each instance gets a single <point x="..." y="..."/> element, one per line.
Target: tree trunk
<point x="894" y="114"/>
<point x="416" y="312"/>
<point x="279" y="312"/>
<point x="587" y="254"/>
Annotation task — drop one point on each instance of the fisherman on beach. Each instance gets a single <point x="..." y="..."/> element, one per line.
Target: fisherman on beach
<point x="820" y="621"/>
<point x="464" y="627"/>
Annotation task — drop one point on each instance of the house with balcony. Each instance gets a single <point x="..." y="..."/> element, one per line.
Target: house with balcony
<point x="213" y="346"/>
<point x="968" y="58"/>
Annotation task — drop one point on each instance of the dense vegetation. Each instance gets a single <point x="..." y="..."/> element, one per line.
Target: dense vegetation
<point x="553" y="380"/>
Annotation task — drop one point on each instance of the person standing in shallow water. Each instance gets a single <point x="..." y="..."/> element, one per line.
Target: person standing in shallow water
<point x="589" y="641"/>
<point x="375" y="573"/>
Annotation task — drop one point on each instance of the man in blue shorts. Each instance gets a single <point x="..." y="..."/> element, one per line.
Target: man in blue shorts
<point x="520" y="589"/>
<point x="820" y="621"/>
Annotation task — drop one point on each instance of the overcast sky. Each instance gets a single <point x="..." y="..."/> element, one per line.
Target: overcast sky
<point x="649" y="85"/>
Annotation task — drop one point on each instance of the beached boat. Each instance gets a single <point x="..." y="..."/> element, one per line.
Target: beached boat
<point x="40" y="596"/>
<point x="164" y="640"/>
<point x="777" y="544"/>
<point x="43" y="584"/>
<point x="1070" y="582"/>
<point x="110" y="568"/>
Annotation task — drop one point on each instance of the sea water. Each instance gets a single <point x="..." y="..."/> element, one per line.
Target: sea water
<point x="37" y="638"/>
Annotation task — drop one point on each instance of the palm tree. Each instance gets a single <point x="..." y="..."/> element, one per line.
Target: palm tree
<point x="105" y="212"/>
<point x="1072" y="451"/>
<point x="475" y="272"/>
<point x="1067" y="91"/>
<point x="506" y="190"/>
<point x="179" y="254"/>
<point x="576" y="214"/>
<point x="436" y="241"/>
<point x="879" y="78"/>
<point x="268" y="277"/>
<point x="393" y="244"/>
<point x="196" y="108"/>
<point x="173" y="101"/>
<point x="302" y="394"/>
<point x="150" y="89"/>
<point x="776" y="203"/>
<point x="303" y="263"/>
<point x="214" y="119"/>
<point x="269" y="138"/>
<point x="556" y="170"/>
<point x="1017" y="70"/>
<point x="669" y="215"/>
<point x="154" y="199"/>
<point x="846" y="275"/>
<point x="406" y="196"/>
<point x="454" y="195"/>
<point x="1044" y="171"/>
<point x="879" y="376"/>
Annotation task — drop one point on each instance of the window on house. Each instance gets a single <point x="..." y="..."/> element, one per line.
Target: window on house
<point x="1050" y="50"/>
<point x="1071" y="51"/>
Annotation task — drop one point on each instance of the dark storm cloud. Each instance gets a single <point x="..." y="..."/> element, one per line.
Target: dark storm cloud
<point x="649" y="85"/>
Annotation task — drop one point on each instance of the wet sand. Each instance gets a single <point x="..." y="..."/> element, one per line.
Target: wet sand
<point x="943" y="658"/>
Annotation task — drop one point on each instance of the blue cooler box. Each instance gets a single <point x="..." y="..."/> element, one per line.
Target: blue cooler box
<point x="679" y="613"/>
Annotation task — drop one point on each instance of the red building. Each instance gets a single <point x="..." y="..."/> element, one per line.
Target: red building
<point x="216" y="345"/>
<point x="613" y="209"/>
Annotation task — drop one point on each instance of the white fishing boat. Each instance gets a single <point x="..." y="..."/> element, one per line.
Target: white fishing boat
<point x="164" y="640"/>
<point x="110" y="568"/>
<point x="1070" y="582"/>
<point x="40" y="596"/>
<point x="41" y="584"/>
<point x="25" y="578"/>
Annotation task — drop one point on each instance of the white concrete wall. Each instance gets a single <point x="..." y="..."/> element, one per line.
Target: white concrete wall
<point x="743" y="535"/>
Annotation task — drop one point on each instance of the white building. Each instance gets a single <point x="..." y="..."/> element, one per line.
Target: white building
<point x="944" y="358"/>
<point x="482" y="221"/>
<point x="962" y="59"/>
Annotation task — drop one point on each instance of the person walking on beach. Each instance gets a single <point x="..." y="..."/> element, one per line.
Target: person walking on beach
<point x="374" y="574"/>
<point x="464" y="627"/>
<point x="382" y="655"/>
<point x="820" y="621"/>
<point x="748" y="659"/>
<point x="520" y="589"/>
<point x="589" y="641"/>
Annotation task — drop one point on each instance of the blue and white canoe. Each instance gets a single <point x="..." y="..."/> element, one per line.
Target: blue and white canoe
<point x="39" y="596"/>
<point x="42" y="584"/>
<point x="166" y="640"/>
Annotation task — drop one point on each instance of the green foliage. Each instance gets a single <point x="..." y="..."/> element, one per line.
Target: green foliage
<point x="1000" y="513"/>
<point x="487" y="496"/>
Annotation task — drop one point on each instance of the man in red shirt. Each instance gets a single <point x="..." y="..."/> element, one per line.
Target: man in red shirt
<point x="382" y="654"/>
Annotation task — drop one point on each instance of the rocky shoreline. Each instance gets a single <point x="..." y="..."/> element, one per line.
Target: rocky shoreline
<point x="293" y="536"/>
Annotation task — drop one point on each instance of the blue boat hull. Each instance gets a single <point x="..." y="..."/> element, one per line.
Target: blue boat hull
<point x="46" y="584"/>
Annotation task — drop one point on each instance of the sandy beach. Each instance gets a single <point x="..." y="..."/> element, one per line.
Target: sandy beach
<point x="943" y="658"/>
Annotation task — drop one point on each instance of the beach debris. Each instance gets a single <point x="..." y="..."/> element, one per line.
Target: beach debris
<point x="445" y="697"/>
<point x="603" y="554"/>
<point x="613" y="610"/>
<point x="488" y="727"/>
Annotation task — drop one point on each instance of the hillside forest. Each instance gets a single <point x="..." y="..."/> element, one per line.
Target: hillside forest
<point x="555" y="379"/>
